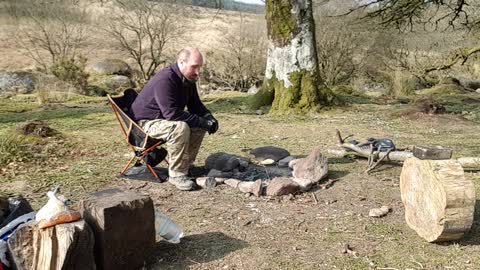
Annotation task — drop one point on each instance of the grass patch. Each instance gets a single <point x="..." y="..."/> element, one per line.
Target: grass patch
<point x="228" y="102"/>
<point x="14" y="148"/>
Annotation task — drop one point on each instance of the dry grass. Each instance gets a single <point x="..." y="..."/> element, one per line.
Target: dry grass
<point x="227" y="230"/>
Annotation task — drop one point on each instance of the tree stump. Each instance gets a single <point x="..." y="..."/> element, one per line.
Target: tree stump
<point x="63" y="246"/>
<point x="439" y="202"/>
<point x="123" y="223"/>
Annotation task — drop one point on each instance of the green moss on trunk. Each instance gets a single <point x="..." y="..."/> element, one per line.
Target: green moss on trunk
<point x="303" y="96"/>
<point x="281" y="25"/>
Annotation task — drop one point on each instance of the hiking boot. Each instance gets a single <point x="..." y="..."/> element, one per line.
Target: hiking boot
<point x="182" y="182"/>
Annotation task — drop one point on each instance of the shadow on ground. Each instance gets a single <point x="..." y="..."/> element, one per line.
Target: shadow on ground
<point x="335" y="175"/>
<point x="194" y="249"/>
<point x="143" y="174"/>
<point x="472" y="237"/>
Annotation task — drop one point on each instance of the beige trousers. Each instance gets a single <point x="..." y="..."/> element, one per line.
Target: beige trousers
<point x="182" y="142"/>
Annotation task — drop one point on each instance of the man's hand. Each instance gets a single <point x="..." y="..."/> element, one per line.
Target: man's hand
<point x="211" y="126"/>
<point x="210" y="117"/>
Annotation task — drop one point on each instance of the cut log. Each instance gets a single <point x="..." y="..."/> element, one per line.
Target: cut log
<point x="439" y="201"/>
<point x="470" y="163"/>
<point x="64" y="246"/>
<point x="123" y="223"/>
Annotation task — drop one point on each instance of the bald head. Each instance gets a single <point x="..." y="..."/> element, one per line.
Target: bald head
<point x="190" y="62"/>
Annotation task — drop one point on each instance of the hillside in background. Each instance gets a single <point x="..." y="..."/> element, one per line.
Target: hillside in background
<point x="226" y="5"/>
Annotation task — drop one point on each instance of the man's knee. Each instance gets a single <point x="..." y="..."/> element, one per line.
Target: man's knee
<point x="181" y="130"/>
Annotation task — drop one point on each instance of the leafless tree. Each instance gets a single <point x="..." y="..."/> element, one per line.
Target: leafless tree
<point x="336" y="49"/>
<point x="400" y="13"/>
<point x="50" y="31"/>
<point x="143" y="29"/>
<point x="241" y="58"/>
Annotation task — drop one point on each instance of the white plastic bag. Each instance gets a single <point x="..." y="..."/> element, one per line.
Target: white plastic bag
<point x="55" y="205"/>
<point x="167" y="228"/>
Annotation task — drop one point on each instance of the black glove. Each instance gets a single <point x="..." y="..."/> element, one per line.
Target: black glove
<point x="209" y="125"/>
<point x="210" y="117"/>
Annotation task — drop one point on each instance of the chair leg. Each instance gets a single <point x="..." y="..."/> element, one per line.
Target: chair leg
<point x="152" y="171"/>
<point x="128" y="164"/>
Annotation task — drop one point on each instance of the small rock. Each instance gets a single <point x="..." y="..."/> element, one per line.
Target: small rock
<point x="314" y="167"/>
<point x="232" y="182"/>
<point x="257" y="188"/>
<point x="220" y="180"/>
<point x="285" y="161"/>
<point x="222" y="161"/>
<point x="305" y="184"/>
<point x="292" y="162"/>
<point x="346" y="249"/>
<point x="206" y="182"/>
<point x="279" y="186"/>
<point x="243" y="163"/>
<point x="245" y="187"/>
<point x="379" y="212"/>
<point x="269" y="152"/>
<point x="259" y="112"/>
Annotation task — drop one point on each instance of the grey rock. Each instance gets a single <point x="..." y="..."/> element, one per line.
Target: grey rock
<point x="110" y="67"/>
<point x="118" y="83"/>
<point x="253" y="90"/>
<point x="243" y="163"/>
<point x="471" y="84"/>
<point x="124" y="226"/>
<point x="269" y="152"/>
<point x="216" y="173"/>
<point x="232" y="182"/>
<point x="305" y="184"/>
<point x="16" y="82"/>
<point x="379" y="212"/>
<point x="257" y="188"/>
<point x="314" y="167"/>
<point x="245" y="187"/>
<point x="432" y="152"/>
<point x="222" y="161"/>
<point x="206" y="182"/>
<point x="292" y="162"/>
<point x="285" y="161"/>
<point x="279" y="186"/>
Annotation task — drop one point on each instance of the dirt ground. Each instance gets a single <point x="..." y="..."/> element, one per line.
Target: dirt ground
<point x="225" y="229"/>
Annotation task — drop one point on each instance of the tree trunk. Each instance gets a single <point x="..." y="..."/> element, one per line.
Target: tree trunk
<point x="291" y="76"/>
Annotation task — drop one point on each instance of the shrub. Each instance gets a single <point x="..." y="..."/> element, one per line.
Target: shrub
<point x="71" y="70"/>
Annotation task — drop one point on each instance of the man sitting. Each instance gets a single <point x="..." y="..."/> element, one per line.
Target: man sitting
<point x="160" y="110"/>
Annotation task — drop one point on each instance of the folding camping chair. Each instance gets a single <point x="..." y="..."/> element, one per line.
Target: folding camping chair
<point x="144" y="146"/>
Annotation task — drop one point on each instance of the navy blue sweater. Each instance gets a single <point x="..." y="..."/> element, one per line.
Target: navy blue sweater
<point x="166" y="95"/>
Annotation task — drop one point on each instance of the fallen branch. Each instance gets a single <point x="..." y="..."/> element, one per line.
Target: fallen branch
<point x="468" y="163"/>
<point x="349" y="148"/>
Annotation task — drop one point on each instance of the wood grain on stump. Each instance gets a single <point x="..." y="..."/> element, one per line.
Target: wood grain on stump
<point x="439" y="201"/>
